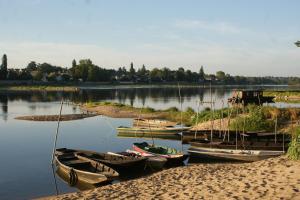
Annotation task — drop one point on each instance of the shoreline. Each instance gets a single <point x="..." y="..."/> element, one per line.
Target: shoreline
<point x="13" y="85"/>
<point x="274" y="178"/>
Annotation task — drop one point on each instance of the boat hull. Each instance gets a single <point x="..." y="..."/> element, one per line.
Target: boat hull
<point x="230" y="154"/>
<point x="153" y="131"/>
<point x="80" y="175"/>
<point x="267" y="146"/>
<point x="113" y="161"/>
<point x="172" y="159"/>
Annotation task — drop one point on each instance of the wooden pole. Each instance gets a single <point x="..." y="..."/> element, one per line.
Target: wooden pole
<point x="236" y="129"/>
<point x="212" y="113"/>
<point x="180" y="116"/>
<point x="198" y="108"/>
<point x="276" y="130"/>
<point x="57" y="128"/>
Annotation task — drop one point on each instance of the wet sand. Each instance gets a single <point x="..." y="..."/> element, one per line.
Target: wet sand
<point x="274" y="178"/>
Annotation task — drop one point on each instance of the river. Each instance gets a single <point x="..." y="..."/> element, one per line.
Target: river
<point x="26" y="146"/>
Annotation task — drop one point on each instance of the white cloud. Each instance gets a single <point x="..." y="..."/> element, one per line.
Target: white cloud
<point x="219" y="27"/>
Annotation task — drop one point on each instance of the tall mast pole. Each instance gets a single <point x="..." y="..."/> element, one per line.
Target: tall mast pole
<point x="57" y="128"/>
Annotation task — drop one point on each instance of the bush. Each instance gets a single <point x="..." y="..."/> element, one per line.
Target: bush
<point x="294" y="146"/>
<point x="207" y="115"/>
<point x="190" y="110"/>
<point x="254" y="121"/>
<point x="148" y="110"/>
<point x="172" y="109"/>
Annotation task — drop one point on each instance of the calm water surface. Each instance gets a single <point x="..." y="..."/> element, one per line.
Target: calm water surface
<point x="26" y="146"/>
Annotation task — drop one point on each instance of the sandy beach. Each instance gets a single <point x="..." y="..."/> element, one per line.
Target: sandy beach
<point x="275" y="178"/>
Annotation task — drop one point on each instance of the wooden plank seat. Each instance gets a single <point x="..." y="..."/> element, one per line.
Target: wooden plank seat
<point x="76" y="163"/>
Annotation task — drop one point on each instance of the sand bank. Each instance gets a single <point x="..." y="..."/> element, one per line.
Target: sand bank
<point x="120" y="112"/>
<point x="67" y="117"/>
<point x="275" y="178"/>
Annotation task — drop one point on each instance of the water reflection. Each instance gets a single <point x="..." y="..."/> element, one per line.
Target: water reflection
<point x="133" y="96"/>
<point x="4" y="105"/>
<point x="156" y="97"/>
<point x="54" y="179"/>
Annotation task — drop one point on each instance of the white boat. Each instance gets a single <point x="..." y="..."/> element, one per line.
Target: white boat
<point x="233" y="154"/>
<point x="153" y="122"/>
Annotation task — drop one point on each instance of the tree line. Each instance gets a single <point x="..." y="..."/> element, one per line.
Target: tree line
<point x="86" y="71"/>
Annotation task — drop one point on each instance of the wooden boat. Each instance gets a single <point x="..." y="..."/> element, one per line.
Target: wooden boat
<point x="153" y="123"/>
<point x="250" y="137"/>
<point x="232" y="154"/>
<point x="172" y="155"/>
<point x="153" y="162"/>
<point x="166" y="130"/>
<point x="161" y="136"/>
<point x="84" y="170"/>
<point x="246" y="145"/>
<point x="116" y="162"/>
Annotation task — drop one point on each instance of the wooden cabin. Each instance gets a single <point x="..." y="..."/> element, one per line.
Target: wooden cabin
<point x="249" y="97"/>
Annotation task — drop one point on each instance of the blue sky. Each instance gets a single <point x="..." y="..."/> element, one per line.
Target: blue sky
<point x="252" y="38"/>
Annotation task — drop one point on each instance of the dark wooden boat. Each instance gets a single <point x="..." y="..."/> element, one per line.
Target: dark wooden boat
<point x="153" y="162"/>
<point x="172" y="155"/>
<point x="84" y="170"/>
<point x="257" y="136"/>
<point x="116" y="162"/>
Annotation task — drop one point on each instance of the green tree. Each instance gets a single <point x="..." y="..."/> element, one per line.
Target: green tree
<point x="142" y="71"/>
<point x="201" y="74"/>
<point x="166" y="74"/>
<point x="188" y="75"/>
<point x="156" y="74"/>
<point x="37" y="75"/>
<point x="32" y="66"/>
<point x="3" y="69"/>
<point x="74" y="63"/>
<point x="93" y="72"/>
<point x="81" y="70"/>
<point x="180" y="74"/>
<point x="13" y="74"/>
<point x="132" y="72"/>
<point x="220" y="75"/>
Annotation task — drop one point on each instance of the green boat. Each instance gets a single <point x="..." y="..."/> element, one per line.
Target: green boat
<point x="173" y="155"/>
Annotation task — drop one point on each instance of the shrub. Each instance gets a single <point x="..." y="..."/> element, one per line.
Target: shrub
<point x="254" y="121"/>
<point x="172" y="109"/>
<point x="294" y="146"/>
<point x="190" y="110"/>
<point x="148" y="110"/>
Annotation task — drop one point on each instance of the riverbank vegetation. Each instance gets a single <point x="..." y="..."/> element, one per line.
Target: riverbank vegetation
<point x="122" y="110"/>
<point x="249" y="118"/>
<point x="294" y="147"/>
<point x="86" y="71"/>
<point x="284" y="96"/>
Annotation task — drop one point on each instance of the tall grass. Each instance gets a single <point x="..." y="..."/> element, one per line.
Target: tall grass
<point x="255" y="119"/>
<point x="294" y="146"/>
